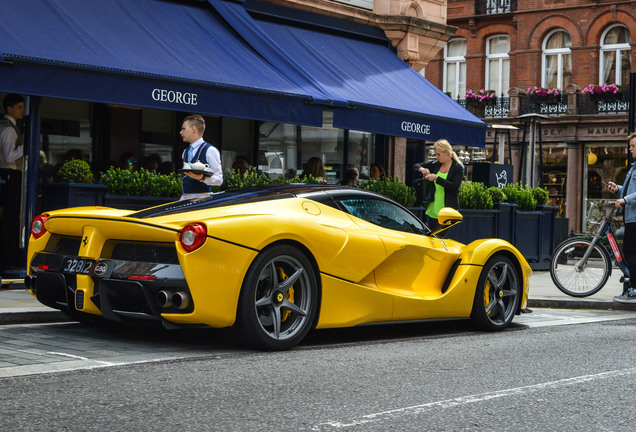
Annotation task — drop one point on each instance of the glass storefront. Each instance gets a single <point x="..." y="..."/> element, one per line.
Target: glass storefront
<point x="604" y="162"/>
<point x="284" y="149"/>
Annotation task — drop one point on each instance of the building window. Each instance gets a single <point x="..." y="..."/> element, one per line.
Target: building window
<point x="615" y="56"/>
<point x="498" y="64"/>
<point x="455" y="68"/>
<point x="557" y="60"/>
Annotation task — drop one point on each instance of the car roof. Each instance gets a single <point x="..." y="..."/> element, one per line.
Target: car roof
<point x="324" y="193"/>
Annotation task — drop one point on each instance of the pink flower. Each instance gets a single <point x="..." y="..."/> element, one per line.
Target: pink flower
<point x="480" y="95"/>
<point x="602" y="89"/>
<point x="540" y="91"/>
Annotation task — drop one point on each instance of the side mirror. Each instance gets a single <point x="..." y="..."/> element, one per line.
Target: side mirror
<point x="447" y="217"/>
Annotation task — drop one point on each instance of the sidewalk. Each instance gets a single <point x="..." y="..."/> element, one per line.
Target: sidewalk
<point x="18" y="306"/>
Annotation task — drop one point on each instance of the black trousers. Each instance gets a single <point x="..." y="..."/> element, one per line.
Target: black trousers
<point x="10" y="193"/>
<point x="629" y="251"/>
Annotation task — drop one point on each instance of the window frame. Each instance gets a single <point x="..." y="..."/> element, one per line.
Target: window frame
<point x="559" y="52"/>
<point x="459" y="62"/>
<point x="500" y="58"/>
<point x="616" y="48"/>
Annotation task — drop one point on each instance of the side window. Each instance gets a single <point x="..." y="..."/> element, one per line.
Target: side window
<point x="384" y="214"/>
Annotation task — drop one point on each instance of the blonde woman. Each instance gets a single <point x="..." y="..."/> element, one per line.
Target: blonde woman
<point x="442" y="180"/>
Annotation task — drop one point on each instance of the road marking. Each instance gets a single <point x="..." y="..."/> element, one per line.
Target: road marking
<point x="77" y="364"/>
<point x="471" y="399"/>
<point x="67" y="355"/>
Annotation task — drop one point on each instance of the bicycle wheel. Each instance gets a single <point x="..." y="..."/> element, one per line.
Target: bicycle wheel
<point x="586" y="280"/>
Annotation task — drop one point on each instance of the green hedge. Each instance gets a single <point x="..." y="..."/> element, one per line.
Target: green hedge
<point x="141" y="183"/>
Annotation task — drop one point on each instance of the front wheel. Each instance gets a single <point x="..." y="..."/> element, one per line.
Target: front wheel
<point x="279" y="299"/>
<point x="575" y="277"/>
<point x="497" y="296"/>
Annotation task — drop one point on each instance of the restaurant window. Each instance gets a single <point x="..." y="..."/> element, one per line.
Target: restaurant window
<point x="65" y="130"/>
<point x="455" y="68"/>
<point x="615" y="56"/>
<point x="498" y="64"/>
<point x="557" y="60"/>
<point x="158" y="136"/>
<point x="284" y="149"/>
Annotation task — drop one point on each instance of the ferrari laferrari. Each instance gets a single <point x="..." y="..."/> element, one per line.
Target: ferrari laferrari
<point x="271" y="263"/>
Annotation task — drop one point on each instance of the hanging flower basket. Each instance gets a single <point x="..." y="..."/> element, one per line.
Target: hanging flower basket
<point x="605" y="92"/>
<point x="605" y="96"/>
<point x="485" y="102"/>
<point x="482" y="97"/>
<point x="542" y="95"/>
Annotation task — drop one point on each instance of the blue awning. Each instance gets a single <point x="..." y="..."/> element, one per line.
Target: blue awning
<point x="152" y="53"/>
<point x="384" y="95"/>
<point x="188" y="56"/>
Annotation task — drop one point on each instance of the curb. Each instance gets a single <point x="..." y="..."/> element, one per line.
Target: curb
<point x="31" y="316"/>
<point x="579" y="304"/>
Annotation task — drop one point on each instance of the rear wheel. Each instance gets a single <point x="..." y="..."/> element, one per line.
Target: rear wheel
<point x="497" y="296"/>
<point x="279" y="299"/>
<point x="576" y="278"/>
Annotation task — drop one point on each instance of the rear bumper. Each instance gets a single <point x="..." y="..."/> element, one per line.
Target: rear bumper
<point x="118" y="290"/>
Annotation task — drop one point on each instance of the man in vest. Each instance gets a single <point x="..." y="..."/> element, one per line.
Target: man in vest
<point x="11" y="173"/>
<point x="196" y="184"/>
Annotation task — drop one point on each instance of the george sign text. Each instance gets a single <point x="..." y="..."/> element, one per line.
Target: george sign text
<point x="163" y="95"/>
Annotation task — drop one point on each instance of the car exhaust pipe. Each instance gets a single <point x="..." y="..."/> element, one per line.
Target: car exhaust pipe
<point x="181" y="300"/>
<point x="29" y="282"/>
<point x="164" y="298"/>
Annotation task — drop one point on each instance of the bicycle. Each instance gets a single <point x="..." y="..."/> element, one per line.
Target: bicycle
<point x="581" y="265"/>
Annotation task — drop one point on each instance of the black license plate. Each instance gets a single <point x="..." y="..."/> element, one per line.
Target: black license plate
<point x="77" y="266"/>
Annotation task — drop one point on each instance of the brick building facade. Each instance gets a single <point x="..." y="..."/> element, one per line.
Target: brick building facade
<point x="511" y="47"/>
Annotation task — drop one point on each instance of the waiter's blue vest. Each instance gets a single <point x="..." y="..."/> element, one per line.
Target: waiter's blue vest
<point x="190" y="185"/>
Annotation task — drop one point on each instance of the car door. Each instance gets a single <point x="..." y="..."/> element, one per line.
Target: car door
<point x="416" y="264"/>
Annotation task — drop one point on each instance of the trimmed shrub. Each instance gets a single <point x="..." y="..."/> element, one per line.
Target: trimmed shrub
<point x="474" y="195"/>
<point x="76" y="170"/>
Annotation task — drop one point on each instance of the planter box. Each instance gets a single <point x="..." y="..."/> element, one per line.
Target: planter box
<point x="477" y="224"/>
<point x="131" y="202"/>
<point x="606" y="96"/>
<point x="70" y="194"/>
<point x="506" y="221"/>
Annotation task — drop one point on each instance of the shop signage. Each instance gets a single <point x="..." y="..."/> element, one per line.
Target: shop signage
<point x="177" y="97"/>
<point x="366" y="4"/>
<point x="418" y="128"/>
<point x="608" y="130"/>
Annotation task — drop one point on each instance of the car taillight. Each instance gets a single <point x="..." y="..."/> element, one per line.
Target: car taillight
<point x="37" y="225"/>
<point x="193" y="236"/>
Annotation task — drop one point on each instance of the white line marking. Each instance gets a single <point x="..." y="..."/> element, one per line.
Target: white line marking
<point x="465" y="400"/>
<point x="67" y="355"/>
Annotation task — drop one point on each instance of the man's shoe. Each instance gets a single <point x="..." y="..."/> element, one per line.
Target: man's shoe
<point x="627" y="297"/>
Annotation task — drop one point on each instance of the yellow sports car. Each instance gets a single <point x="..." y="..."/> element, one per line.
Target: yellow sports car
<point x="271" y="262"/>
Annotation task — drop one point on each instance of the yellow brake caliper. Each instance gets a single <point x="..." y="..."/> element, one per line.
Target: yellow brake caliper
<point x="290" y="294"/>
<point x="487" y="295"/>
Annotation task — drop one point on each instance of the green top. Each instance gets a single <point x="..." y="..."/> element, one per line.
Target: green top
<point x="438" y="203"/>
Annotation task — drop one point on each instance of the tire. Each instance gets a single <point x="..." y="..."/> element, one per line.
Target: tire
<point x="279" y="300"/>
<point x="497" y="296"/>
<point x="580" y="282"/>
